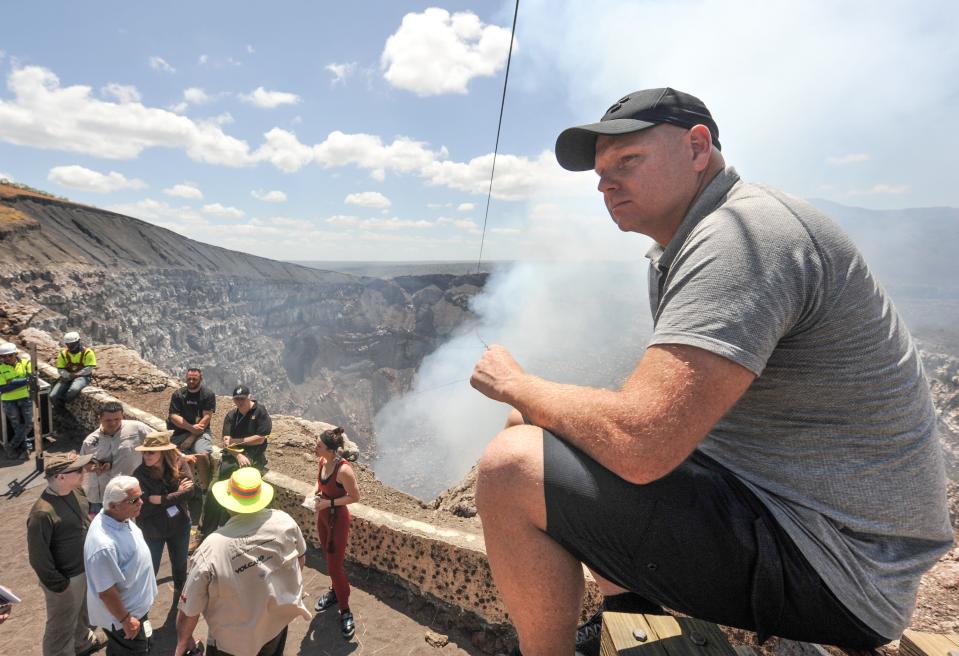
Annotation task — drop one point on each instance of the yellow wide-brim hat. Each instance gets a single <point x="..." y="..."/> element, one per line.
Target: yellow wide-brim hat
<point x="244" y="492"/>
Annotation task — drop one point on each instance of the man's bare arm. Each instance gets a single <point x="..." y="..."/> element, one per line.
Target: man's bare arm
<point x="184" y="632"/>
<point x="640" y="432"/>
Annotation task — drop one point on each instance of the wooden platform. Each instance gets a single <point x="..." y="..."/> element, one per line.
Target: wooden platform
<point x="917" y="643"/>
<point x="628" y="634"/>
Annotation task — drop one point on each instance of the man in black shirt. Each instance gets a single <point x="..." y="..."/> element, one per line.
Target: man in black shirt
<point x="191" y="411"/>
<point x="56" y="528"/>
<point x="246" y="429"/>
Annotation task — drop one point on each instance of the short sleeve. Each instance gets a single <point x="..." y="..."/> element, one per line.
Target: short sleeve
<point x="264" y="424"/>
<point x="196" y="590"/>
<point x="737" y="286"/>
<point x="176" y="407"/>
<point x="103" y="572"/>
<point x="209" y="402"/>
<point x="89" y="358"/>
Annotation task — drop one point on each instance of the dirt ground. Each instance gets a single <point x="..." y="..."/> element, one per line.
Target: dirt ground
<point x="390" y="621"/>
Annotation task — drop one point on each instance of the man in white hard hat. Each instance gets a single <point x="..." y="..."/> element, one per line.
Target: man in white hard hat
<point x="75" y="364"/>
<point x="15" y="375"/>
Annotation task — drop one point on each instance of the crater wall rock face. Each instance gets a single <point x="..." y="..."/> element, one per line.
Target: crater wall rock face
<point x="319" y="344"/>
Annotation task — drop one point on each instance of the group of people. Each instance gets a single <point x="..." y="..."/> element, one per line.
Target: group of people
<point x="75" y="365"/>
<point x="97" y="534"/>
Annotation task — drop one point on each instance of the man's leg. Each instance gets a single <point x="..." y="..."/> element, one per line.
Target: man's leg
<point x="62" y="635"/>
<point x="58" y="393"/>
<point x="76" y="385"/>
<point x="26" y="419"/>
<point x="84" y="637"/>
<point x="540" y="582"/>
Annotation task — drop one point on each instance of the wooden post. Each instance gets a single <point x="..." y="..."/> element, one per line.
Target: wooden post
<point x="35" y="397"/>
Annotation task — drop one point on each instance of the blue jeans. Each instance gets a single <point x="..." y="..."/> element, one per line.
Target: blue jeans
<point x="65" y="391"/>
<point x="20" y="413"/>
<point x="178" y="546"/>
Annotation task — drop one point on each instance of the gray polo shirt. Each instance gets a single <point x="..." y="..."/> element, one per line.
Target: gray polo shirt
<point x="118" y="449"/>
<point x="837" y="434"/>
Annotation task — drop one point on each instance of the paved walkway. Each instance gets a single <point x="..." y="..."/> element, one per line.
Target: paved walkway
<point x="389" y="621"/>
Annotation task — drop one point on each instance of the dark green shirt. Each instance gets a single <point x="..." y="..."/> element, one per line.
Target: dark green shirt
<point x="56" y="529"/>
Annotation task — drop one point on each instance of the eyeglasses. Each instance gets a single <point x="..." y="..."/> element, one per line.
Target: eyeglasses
<point x="134" y="501"/>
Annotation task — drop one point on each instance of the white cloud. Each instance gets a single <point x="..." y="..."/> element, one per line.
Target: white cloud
<point x="222" y="119"/>
<point x="159" y="64"/>
<point x="269" y="99"/>
<point x="392" y="223"/>
<point x="269" y="196"/>
<point x="465" y="207"/>
<point x="223" y="211"/>
<point x="344" y="220"/>
<point x="852" y="158"/>
<point x="881" y="190"/>
<point x="124" y="93"/>
<point x="43" y="114"/>
<point x="435" y="52"/>
<point x="184" y="190"/>
<point x="284" y="151"/>
<point x="196" y="96"/>
<point x="463" y="224"/>
<point x="250" y="49"/>
<point x="203" y="60"/>
<point x="84" y="179"/>
<point x="367" y="151"/>
<point x="160" y="213"/>
<point x="372" y="199"/>
<point x="4" y="175"/>
<point x="340" y="72"/>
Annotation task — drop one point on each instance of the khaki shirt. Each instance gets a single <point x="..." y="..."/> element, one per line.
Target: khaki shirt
<point x="119" y="450"/>
<point x="246" y="581"/>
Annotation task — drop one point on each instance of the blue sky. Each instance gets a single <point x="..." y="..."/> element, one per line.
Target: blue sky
<point x="363" y="131"/>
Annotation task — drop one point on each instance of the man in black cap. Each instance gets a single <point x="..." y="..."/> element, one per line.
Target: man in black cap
<point x="772" y="461"/>
<point x="246" y="430"/>
<point x="56" y="528"/>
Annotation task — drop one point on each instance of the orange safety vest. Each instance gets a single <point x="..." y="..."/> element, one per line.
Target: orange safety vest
<point x="74" y="367"/>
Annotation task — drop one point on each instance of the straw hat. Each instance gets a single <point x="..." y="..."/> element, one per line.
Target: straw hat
<point x="245" y="492"/>
<point x="158" y="441"/>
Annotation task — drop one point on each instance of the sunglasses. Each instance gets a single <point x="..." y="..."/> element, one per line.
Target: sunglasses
<point x="134" y="501"/>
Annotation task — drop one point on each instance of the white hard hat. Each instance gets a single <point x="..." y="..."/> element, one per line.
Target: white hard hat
<point x="71" y="337"/>
<point x="7" y="349"/>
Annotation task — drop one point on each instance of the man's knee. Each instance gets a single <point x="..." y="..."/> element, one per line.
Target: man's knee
<point x="512" y="463"/>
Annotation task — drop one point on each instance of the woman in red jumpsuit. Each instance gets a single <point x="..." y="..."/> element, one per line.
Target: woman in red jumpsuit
<point x="335" y="489"/>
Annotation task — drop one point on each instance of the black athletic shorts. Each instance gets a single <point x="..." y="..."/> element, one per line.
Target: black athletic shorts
<point x="696" y="541"/>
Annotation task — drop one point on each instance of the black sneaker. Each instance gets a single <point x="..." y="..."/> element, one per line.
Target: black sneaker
<point x="328" y="599"/>
<point x="588" y="634"/>
<point x="347" y="625"/>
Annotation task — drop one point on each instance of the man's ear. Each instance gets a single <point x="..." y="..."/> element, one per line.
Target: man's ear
<point x="701" y="144"/>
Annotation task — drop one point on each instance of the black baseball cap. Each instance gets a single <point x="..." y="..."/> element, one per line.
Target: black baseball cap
<point x="576" y="147"/>
<point x="241" y="391"/>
